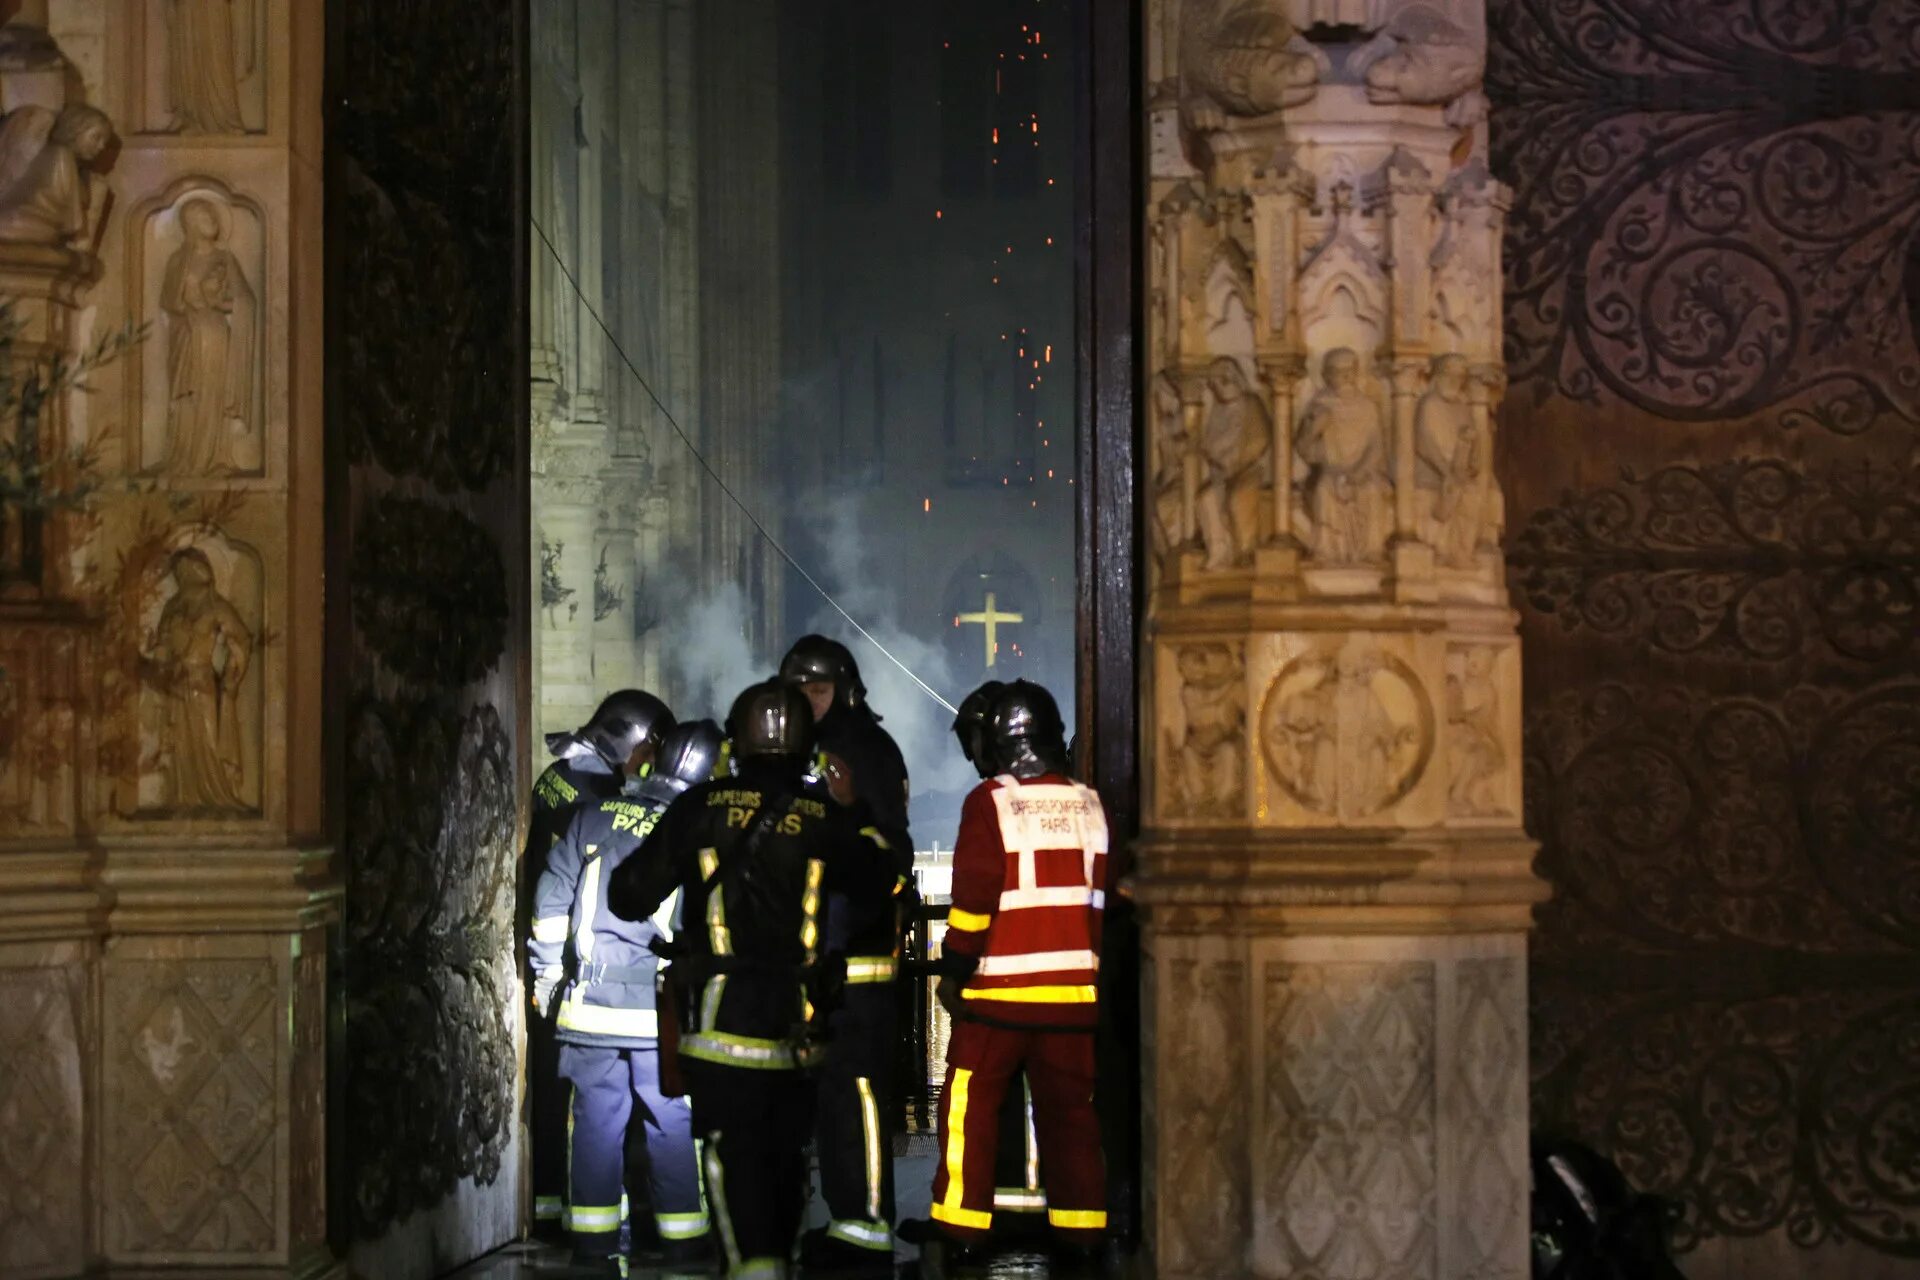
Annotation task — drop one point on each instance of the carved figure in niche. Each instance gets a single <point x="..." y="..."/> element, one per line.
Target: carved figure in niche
<point x="1304" y="737"/>
<point x="203" y="72"/>
<point x="1168" y="505"/>
<point x="1473" y="723"/>
<point x="1381" y="749"/>
<point x="1209" y="761"/>
<point x="1343" y="444"/>
<point x="1233" y="447"/>
<point x="1450" y="462"/>
<point x="200" y="655"/>
<point x="44" y="161"/>
<point x="210" y="357"/>
<point x="1348" y="736"/>
<point x="1421" y="56"/>
<point x="1242" y="58"/>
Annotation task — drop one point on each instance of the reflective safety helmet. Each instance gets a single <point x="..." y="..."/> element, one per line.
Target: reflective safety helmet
<point x="771" y="719"/>
<point x="969" y="725"/>
<point x="689" y="754"/>
<point x="1024" y="733"/>
<point x="623" y="722"/>
<point x="818" y="660"/>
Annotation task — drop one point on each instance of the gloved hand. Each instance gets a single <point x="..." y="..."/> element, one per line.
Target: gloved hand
<point x="840" y="783"/>
<point x="947" y="990"/>
<point x="543" y="988"/>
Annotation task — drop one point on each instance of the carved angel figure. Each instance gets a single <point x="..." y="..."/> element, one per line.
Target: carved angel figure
<point x="1234" y="446"/>
<point x="44" y="195"/>
<point x="1420" y="56"/>
<point x="200" y="655"/>
<point x="1208" y="758"/>
<point x="1243" y="58"/>
<point x="210" y="314"/>
<point x="1343" y="444"/>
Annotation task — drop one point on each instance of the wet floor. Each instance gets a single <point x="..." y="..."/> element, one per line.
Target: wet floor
<point x="547" y="1262"/>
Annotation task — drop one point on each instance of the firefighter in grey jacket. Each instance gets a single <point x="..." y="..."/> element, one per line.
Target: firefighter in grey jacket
<point x="594" y="973"/>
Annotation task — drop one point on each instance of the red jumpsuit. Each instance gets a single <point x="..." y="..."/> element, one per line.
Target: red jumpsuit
<point x="1029" y="891"/>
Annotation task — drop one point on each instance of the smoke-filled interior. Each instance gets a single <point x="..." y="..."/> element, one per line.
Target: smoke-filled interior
<point x="802" y="332"/>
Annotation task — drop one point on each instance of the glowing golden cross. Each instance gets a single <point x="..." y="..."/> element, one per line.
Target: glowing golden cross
<point x="990" y="618"/>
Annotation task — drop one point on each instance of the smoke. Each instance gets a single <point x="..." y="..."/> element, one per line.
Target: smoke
<point x="707" y="656"/>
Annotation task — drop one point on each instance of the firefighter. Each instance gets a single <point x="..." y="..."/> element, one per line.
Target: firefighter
<point x="590" y="765"/>
<point x="855" y="1122"/>
<point x="754" y="858"/>
<point x="1019" y="968"/>
<point x="1019" y="1202"/>
<point x="593" y="973"/>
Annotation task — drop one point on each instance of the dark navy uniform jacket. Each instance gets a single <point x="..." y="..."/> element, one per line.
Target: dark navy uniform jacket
<point x="881" y="784"/>
<point x="567" y="784"/>
<point x="752" y="916"/>
<point x="606" y="996"/>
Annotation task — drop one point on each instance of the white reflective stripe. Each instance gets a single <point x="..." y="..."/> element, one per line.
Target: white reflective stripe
<point x="716" y="1183"/>
<point x="550" y="929"/>
<point x="681" y="1226"/>
<point x="867" y="1235"/>
<point x="663" y="916"/>
<point x="1033" y="1143"/>
<point x="870" y="1137"/>
<point x="589" y="890"/>
<point x="594" y="1217"/>
<point x="1019" y="1201"/>
<point x="1065" y="895"/>
<point x="1036" y="962"/>
<point x="601" y="1020"/>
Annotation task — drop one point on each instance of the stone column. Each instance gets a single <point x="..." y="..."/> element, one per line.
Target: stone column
<point x="597" y="110"/>
<point x="1334" y="885"/>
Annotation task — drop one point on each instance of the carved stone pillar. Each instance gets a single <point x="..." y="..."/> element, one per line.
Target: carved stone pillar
<point x="1334" y="882"/>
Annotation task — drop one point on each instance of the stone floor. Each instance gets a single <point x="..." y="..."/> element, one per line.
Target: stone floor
<point x="545" y="1262"/>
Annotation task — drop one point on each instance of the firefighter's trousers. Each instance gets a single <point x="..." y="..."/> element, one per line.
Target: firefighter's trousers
<point x="854" y="1126"/>
<point x="613" y="1088"/>
<point x="982" y="1062"/>
<point x="754" y="1126"/>
<point x="548" y="1107"/>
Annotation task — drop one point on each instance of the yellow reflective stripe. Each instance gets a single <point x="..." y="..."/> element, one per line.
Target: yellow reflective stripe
<point x="870" y="1136"/>
<point x="548" y="1208"/>
<point x="710" y="1001"/>
<point x="810" y="907"/>
<point x="956" y="1216"/>
<point x="603" y="1217"/>
<point x="1034" y="995"/>
<point x="872" y="969"/>
<point x="950" y="1208"/>
<point x="1078" y="1219"/>
<point x="873" y="834"/>
<point x="967" y="921"/>
<point x="589" y="890"/>
<point x="719" y="937"/>
<point x="601" y="1020"/>
<point x="709" y="863"/>
<point x="716" y="1183"/>
<point x="759" y="1269"/>
<point x="550" y="929"/>
<point x="681" y="1226"/>
<point x="745" y="1051"/>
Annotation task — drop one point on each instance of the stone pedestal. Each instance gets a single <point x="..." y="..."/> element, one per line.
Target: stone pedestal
<point x="1334" y="885"/>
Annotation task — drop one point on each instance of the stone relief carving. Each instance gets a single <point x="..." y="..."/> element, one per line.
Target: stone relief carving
<point x="1453" y="471"/>
<point x="212" y="398"/>
<point x="1206" y="741"/>
<point x="1234" y="447"/>
<point x="42" y="1137"/>
<point x="1241" y="58"/>
<point x="45" y="192"/>
<point x="191" y="1107"/>
<point x="1204" y="1114"/>
<point x="197" y="659"/>
<point x="1346" y="736"/>
<point x="1476" y="738"/>
<point x="1350" y="1134"/>
<point x="429" y="591"/>
<point x="1343" y="443"/>
<point x="1421" y="56"/>
<point x="210" y="51"/>
<point x="1173" y="483"/>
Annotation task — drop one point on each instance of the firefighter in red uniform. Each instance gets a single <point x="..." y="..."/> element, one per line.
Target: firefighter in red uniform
<point x="1019" y="968"/>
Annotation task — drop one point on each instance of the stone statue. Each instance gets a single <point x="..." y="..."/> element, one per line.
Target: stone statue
<point x="200" y="655"/>
<point x="1242" y="58"/>
<point x="210" y="357"/>
<point x="1344" y="446"/>
<point x="1450" y="463"/>
<point x="1376" y="746"/>
<point x="204" y="75"/>
<point x="1303" y="735"/>
<point x="44" y="195"/>
<point x="1473" y="718"/>
<point x="1234" y="446"/>
<point x="1421" y="56"/>
<point x="1167" y="505"/>
<point x="1208" y="760"/>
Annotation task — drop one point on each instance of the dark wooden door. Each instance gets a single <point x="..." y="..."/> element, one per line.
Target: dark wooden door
<point x="1713" y="282"/>
<point x="427" y="606"/>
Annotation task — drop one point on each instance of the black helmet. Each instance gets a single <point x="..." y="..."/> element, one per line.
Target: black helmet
<point x="688" y="754"/>
<point x="970" y="722"/>
<point x="770" y="719"/>
<point x="1024" y="733"/>
<point x="620" y="724"/>
<point x="818" y="660"/>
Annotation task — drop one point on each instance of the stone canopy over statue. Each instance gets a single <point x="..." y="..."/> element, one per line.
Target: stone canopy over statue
<point x="44" y="161"/>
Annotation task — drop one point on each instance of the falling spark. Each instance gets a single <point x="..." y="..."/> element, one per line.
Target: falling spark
<point x="1049" y="345"/>
<point x="926" y="504"/>
<point x="939" y="214"/>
